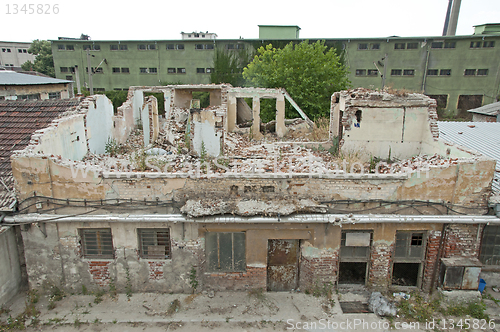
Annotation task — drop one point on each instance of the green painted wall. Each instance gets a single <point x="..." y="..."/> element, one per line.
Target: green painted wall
<point x="360" y="54"/>
<point x="278" y="32"/>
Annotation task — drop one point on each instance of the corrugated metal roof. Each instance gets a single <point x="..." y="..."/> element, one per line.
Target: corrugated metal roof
<point x="483" y="137"/>
<point x="490" y="109"/>
<point x="8" y="77"/>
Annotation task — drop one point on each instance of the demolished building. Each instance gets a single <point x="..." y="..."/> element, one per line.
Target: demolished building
<point x="110" y="196"/>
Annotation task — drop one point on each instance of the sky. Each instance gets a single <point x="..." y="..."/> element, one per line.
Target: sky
<point x="126" y="20"/>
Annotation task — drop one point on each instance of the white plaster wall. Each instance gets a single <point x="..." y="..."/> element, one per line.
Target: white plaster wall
<point x="10" y="270"/>
<point x="66" y="139"/>
<point x="145" y="122"/>
<point x="137" y="102"/>
<point x="99" y="124"/>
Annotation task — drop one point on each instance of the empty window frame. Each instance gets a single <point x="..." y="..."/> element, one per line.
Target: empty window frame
<point x="482" y="72"/>
<point x="437" y="44"/>
<point x="445" y="72"/>
<point x="362" y="46"/>
<point x="411" y="46"/>
<point x="432" y="72"/>
<point x="372" y="72"/>
<point x="409" y="253"/>
<point x="469" y="72"/>
<point x="409" y="72"/>
<point x="225" y="251"/>
<point x="97" y="243"/>
<point x="93" y="47"/>
<point x="467" y="102"/>
<point x="450" y="44"/>
<point x="154" y="243"/>
<point x="489" y="44"/>
<point x="475" y="44"/>
<point x="396" y="72"/>
<point x="441" y="100"/>
<point x="54" y="95"/>
<point x="490" y="245"/>
<point x="399" y="46"/>
<point x="360" y="72"/>
<point x="355" y="246"/>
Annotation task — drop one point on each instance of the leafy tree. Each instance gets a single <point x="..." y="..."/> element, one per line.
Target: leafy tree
<point x="228" y="66"/>
<point x="310" y="73"/>
<point x="44" y="62"/>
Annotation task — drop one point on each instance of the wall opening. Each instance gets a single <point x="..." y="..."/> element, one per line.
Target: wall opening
<point x="352" y="273"/>
<point x="405" y="274"/>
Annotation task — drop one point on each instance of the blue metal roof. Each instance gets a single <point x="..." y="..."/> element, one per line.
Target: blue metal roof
<point x="8" y="77"/>
<point x="483" y="137"/>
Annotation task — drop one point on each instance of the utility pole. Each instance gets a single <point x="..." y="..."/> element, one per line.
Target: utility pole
<point x="385" y="71"/>
<point x="78" y="87"/>
<point x="91" y="88"/>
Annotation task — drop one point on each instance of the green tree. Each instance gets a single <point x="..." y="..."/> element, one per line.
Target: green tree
<point x="228" y="66"/>
<point x="44" y="62"/>
<point x="310" y="73"/>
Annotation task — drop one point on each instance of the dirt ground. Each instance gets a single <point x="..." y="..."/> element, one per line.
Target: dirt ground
<point x="219" y="311"/>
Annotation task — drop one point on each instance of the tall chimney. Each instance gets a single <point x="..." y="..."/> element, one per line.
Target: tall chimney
<point x="455" y="10"/>
<point x="447" y="18"/>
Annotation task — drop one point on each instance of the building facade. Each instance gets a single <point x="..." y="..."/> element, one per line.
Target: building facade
<point x="277" y="215"/>
<point x="14" y="54"/>
<point x="460" y="72"/>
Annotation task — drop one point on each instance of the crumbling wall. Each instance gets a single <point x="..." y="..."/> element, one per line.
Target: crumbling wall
<point x="207" y="131"/>
<point x="99" y="124"/>
<point x="54" y="257"/>
<point x="382" y="124"/>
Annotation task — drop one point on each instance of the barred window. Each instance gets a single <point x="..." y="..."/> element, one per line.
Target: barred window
<point x="97" y="243"/>
<point x="225" y="251"/>
<point x="372" y="72"/>
<point x="396" y="72"/>
<point x="409" y="72"/>
<point x="445" y="72"/>
<point x="399" y="46"/>
<point x="362" y="46"/>
<point x="412" y="46"/>
<point x="154" y="243"/>
<point x="123" y="47"/>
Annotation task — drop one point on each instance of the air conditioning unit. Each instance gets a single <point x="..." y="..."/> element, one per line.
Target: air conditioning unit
<point x="460" y="273"/>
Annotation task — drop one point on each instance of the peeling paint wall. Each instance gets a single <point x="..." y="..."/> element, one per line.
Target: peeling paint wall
<point x="10" y="92"/>
<point x="10" y="273"/>
<point x="99" y="124"/>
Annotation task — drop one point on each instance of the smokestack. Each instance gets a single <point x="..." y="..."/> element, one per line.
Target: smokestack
<point x="447" y="18"/>
<point x="455" y="10"/>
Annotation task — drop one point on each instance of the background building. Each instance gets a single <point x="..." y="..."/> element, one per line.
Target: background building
<point x="460" y="72"/>
<point x="14" y="54"/>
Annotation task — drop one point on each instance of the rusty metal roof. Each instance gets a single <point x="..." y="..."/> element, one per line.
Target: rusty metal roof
<point x="18" y="121"/>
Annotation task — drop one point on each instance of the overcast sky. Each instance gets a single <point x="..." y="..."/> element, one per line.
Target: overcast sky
<point x="105" y="20"/>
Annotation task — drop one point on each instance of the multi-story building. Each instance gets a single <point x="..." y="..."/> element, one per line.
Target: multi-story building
<point x="460" y="72"/>
<point x="14" y="54"/>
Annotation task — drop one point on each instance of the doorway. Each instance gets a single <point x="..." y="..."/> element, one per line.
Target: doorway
<point x="282" y="265"/>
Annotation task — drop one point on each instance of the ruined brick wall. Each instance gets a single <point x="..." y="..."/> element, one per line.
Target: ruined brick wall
<point x="318" y="270"/>
<point x="380" y="270"/>
<point x="252" y="278"/>
<point x="431" y="256"/>
<point x="462" y="240"/>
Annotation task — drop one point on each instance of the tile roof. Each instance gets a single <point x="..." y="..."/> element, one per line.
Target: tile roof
<point x="490" y="109"/>
<point x="8" y="77"/>
<point x="483" y="137"/>
<point x="18" y="121"/>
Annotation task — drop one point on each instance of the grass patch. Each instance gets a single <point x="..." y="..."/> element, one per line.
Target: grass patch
<point x="174" y="307"/>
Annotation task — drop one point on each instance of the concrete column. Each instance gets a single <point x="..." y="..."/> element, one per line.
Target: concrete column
<point x="44" y="95"/>
<point x="280" y="116"/>
<point x="231" y="114"/>
<point x="256" y="119"/>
